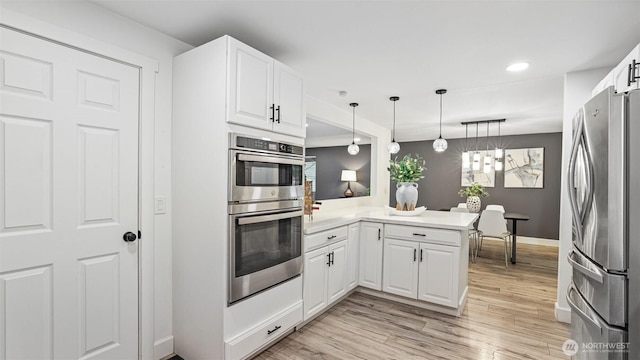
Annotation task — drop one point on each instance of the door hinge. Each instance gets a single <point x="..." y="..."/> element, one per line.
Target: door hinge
<point x="139" y="234"/>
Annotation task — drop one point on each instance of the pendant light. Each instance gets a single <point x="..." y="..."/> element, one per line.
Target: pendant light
<point x="394" y="147"/>
<point x="440" y="144"/>
<point x="476" y="155"/>
<point x="465" y="154"/>
<point x="487" y="157"/>
<point x="499" y="153"/>
<point x="353" y="149"/>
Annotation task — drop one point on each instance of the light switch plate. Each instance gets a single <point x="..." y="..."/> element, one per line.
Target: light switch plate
<point x="160" y="205"/>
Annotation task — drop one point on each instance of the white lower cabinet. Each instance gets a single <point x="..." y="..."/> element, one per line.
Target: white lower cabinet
<point x="371" y="255"/>
<point x="421" y="271"/>
<point x="325" y="277"/>
<point x="353" y="256"/>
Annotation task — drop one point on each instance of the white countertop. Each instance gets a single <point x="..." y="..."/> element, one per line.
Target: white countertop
<point x="429" y="218"/>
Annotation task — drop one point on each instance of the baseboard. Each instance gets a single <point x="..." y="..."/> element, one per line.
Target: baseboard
<point x="563" y="314"/>
<point x="163" y="347"/>
<point x="531" y="241"/>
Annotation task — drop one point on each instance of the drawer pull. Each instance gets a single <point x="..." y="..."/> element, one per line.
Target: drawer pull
<point x="416" y="234"/>
<point x="331" y="237"/>
<point x="269" y="332"/>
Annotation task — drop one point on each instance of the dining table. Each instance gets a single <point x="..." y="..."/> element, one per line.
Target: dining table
<point x="514" y="217"/>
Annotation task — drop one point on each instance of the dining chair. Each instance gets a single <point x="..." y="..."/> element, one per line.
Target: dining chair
<point x="495" y="207"/>
<point x="492" y="224"/>
<point x="473" y="234"/>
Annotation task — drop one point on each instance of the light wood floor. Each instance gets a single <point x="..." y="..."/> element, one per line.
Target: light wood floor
<point x="509" y="315"/>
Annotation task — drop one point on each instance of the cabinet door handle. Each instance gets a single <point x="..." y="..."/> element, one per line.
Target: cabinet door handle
<point x="379" y="233"/>
<point x="278" y="117"/>
<point x="333" y="256"/>
<point x="632" y="72"/>
<point x="331" y="237"/>
<point x="420" y="255"/>
<point x="416" y="234"/>
<point x="269" y="332"/>
<point x="273" y="114"/>
<point x="415" y="252"/>
<point x="329" y="259"/>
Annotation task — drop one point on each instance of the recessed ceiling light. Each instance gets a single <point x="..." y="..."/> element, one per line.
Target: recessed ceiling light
<point x="518" y="66"/>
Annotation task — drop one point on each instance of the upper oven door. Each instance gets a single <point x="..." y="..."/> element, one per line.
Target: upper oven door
<point x="262" y="177"/>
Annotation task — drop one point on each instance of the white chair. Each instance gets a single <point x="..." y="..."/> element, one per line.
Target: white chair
<point x="495" y="207"/>
<point x="492" y="225"/>
<point x="462" y="205"/>
<point x="473" y="233"/>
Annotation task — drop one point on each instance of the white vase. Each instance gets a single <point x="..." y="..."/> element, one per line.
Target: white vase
<point x="406" y="196"/>
<point x="474" y="204"/>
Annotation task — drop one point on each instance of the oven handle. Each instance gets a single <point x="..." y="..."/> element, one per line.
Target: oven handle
<point x="271" y="217"/>
<point x="269" y="159"/>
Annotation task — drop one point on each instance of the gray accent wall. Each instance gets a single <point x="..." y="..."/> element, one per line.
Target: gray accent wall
<point x="330" y="161"/>
<point x="439" y="189"/>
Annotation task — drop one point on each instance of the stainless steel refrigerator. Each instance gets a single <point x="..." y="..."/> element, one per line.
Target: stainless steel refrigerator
<point x="604" y="192"/>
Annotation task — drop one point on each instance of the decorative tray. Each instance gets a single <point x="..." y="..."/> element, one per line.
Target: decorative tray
<point x="419" y="210"/>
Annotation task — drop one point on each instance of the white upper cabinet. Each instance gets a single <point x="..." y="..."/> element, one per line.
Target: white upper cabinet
<point x="264" y="93"/>
<point x="626" y="76"/>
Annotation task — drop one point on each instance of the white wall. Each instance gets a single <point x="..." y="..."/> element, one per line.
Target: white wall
<point x="577" y="90"/>
<point x="380" y="138"/>
<point x="93" y="21"/>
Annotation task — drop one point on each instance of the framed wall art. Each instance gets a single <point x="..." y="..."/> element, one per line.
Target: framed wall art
<point x="470" y="176"/>
<point x="524" y="168"/>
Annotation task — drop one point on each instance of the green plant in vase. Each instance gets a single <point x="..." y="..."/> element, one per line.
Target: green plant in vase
<point x="405" y="173"/>
<point x="473" y="194"/>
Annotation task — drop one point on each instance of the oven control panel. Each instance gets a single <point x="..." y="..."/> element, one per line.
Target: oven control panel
<point x="266" y="145"/>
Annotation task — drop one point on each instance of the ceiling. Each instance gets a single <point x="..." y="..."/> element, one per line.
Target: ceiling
<point x="377" y="49"/>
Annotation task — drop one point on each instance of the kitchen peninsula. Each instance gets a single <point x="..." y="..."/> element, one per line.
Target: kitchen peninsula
<point x="419" y="260"/>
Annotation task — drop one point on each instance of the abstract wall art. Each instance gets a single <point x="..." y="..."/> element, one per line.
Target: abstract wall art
<point x="524" y="168"/>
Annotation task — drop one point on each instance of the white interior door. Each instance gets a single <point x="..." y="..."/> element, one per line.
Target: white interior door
<point x="69" y="191"/>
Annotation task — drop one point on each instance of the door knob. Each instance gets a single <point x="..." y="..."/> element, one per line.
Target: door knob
<point x="129" y="236"/>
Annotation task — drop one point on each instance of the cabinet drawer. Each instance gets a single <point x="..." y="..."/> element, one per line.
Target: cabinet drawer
<point x="247" y="343"/>
<point x="325" y="237"/>
<point x="423" y="234"/>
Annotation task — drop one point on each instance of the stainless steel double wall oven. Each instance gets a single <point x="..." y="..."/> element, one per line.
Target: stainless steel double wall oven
<point x="265" y="199"/>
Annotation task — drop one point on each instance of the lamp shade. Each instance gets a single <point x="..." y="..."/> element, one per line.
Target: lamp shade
<point x="348" y="175"/>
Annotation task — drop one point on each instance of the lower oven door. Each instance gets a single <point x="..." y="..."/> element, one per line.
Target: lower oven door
<point x="265" y="249"/>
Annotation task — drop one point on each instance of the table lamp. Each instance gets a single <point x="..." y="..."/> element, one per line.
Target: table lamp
<point x="349" y="176"/>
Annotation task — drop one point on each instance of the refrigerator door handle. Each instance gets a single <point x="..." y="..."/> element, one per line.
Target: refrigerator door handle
<point x="593" y="273"/>
<point x="573" y="158"/>
<point x="576" y="309"/>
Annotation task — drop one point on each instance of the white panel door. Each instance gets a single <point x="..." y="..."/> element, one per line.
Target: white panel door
<point x="68" y="193"/>
<point x="288" y="93"/>
<point x="371" y="255"/>
<point x="315" y="281"/>
<point x="353" y="255"/>
<point x="438" y="274"/>
<point x="400" y="274"/>
<point x="250" y="87"/>
<point x="337" y="276"/>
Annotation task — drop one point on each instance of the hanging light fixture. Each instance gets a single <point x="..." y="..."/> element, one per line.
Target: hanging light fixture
<point x="465" y="154"/>
<point x="476" y="155"/>
<point x="353" y="149"/>
<point x="487" y="157"/>
<point x="394" y="147"/>
<point x="499" y="153"/>
<point x="440" y="144"/>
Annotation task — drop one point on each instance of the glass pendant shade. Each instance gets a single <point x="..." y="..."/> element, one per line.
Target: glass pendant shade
<point x="353" y="149"/>
<point x="487" y="164"/>
<point x="498" y="165"/>
<point x="465" y="160"/>
<point x="440" y="144"/>
<point x="499" y="153"/>
<point x="476" y="165"/>
<point x="393" y="147"/>
<point x="476" y="157"/>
